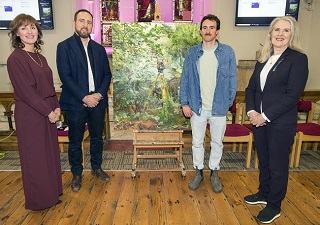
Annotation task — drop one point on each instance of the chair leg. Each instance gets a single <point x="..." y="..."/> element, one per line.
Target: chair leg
<point x="256" y="160"/>
<point x="305" y="146"/>
<point x="207" y="137"/>
<point x="292" y="152"/>
<point x="249" y="151"/>
<point x="135" y="156"/>
<point x="298" y="149"/>
<point x="205" y="142"/>
<point x="61" y="146"/>
<point x="234" y="147"/>
<point x="83" y="152"/>
<point x="315" y="146"/>
<point x="240" y="147"/>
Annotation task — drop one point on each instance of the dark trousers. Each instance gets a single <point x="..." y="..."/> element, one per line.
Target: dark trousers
<point x="76" y="122"/>
<point x="273" y="143"/>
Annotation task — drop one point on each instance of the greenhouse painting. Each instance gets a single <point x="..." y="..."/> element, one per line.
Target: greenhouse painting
<point x="147" y="65"/>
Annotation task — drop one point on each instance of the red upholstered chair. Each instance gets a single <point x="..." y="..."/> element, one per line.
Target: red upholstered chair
<point x="63" y="138"/>
<point x="306" y="131"/>
<point x="235" y="132"/>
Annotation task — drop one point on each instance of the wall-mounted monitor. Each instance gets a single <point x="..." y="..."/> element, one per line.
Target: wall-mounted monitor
<point x="262" y="12"/>
<point x="41" y="10"/>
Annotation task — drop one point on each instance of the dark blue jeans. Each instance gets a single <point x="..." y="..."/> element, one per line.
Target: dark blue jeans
<point x="76" y="122"/>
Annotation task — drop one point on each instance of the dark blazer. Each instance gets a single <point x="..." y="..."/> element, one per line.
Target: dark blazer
<point x="283" y="88"/>
<point x="73" y="71"/>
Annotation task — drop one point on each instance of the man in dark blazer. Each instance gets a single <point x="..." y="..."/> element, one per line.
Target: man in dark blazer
<point x="85" y="74"/>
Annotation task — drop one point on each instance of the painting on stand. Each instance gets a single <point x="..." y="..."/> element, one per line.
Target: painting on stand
<point x="147" y="65"/>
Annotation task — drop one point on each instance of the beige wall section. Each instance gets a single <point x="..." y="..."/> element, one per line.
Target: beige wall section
<point x="63" y="16"/>
<point x="245" y="40"/>
<point x="313" y="47"/>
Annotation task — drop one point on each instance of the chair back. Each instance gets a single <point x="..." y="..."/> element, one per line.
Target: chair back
<point x="306" y="107"/>
<point x="235" y="111"/>
<point x="244" y="116"/>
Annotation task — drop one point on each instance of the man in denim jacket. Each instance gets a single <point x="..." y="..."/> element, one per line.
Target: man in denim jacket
<point x="207" y="89"/>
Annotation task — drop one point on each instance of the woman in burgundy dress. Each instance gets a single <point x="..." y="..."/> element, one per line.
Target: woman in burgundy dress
<point x="36" y="111"/>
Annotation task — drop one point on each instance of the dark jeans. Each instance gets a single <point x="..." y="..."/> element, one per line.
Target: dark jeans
<point x="76" y="122"/>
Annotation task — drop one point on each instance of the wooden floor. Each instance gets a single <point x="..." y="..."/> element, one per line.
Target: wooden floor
<point x="160" y="198"/>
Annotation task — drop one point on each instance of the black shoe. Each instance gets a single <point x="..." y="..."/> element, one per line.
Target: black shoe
<point x="103" y="176"/>
<point x="76" y="183"/>
<point x="255" y="199"/>
<point x="267" y="215"/>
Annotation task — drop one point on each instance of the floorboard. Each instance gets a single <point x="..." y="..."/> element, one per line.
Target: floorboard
<point x="160" y="198"/>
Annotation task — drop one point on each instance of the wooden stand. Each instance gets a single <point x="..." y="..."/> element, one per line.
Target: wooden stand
<point x="147" y="139"/>
<point x="157" y="14"/>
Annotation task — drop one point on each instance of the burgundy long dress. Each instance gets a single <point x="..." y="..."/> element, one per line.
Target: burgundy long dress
<point x="37" y="137"/>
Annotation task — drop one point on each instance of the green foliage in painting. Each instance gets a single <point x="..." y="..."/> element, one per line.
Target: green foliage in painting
<point x="147" y="65"/>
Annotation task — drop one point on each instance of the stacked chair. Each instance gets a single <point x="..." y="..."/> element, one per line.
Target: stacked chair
<point x="307" y="131"/>
<point x="236" y="133"/>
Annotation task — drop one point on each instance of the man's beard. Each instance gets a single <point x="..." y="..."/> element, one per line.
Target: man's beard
<point x="83" y="35"/>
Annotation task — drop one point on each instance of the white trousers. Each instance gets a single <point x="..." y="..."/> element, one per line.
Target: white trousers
<point x="217" y="130"/>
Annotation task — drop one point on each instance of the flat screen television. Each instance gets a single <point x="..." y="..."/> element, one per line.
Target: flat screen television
<point x="262" y="12"/>
<point x="41" y="10"/>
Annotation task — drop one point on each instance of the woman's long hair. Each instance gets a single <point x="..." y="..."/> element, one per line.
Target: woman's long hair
<point x="294" y="43"/>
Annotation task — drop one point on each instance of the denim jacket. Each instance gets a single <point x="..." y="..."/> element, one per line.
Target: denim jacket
<point x="226" y="85"/>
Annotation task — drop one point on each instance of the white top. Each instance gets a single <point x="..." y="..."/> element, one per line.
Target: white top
<point x="90" y="74"/>
<point x="264" y="72"/>
<point x="263" y="77"/>
<point x="208" y="76"/>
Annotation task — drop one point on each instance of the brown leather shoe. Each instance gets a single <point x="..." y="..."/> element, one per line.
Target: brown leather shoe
<point x="103" y="176"/>
<point x="76" y="183"/>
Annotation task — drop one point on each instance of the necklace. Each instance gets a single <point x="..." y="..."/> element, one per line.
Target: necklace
<point x="41" y="65"/>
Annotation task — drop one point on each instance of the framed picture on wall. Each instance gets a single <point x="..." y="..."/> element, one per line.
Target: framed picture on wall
<point x="182" y="10"/>
<point x="109" y="10"/>
<point x="145" y="10"/>
<point x="106" y="34"/>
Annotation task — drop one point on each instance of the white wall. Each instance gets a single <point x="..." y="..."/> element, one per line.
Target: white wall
<point x="245" y="40"/>
<point x="63" y="12"/>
